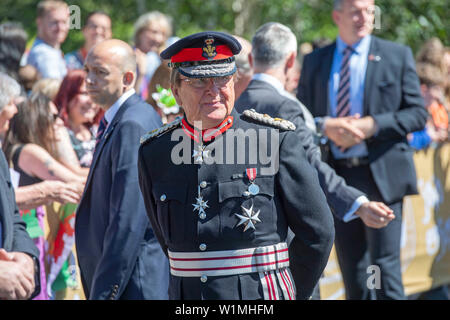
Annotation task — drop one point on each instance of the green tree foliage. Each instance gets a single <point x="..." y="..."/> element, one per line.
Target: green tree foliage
<point x="406" y="21"/>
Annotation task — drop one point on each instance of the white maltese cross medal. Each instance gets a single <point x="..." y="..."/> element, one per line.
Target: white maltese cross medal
<point x="201" y="205"/>
<point x="248" y="218"/>
<point x="199" y="154"/>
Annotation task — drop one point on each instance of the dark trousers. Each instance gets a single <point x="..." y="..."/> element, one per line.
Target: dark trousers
<point x="363" y="251"/>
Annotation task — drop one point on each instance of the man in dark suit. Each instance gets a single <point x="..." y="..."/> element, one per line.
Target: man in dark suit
<point x="118" y="254"/>
<point x="19" y="264"/>
<point x="274" y="49"/>
<point x="365" y="95"/>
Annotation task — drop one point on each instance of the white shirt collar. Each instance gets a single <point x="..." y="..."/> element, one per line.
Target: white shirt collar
<point x="274" y="82"/>
<point x="111" y="112"/>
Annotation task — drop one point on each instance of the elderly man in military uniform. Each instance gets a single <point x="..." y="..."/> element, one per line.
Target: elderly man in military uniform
<point x="222" y="188"/>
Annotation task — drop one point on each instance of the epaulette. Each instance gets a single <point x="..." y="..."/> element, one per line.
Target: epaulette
<point x="157" y="132"/>
<point x="266" y="119"/>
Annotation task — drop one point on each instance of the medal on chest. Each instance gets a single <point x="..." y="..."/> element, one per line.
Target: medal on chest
<point x="201" y="204"/>
<point x="199" y="153"/>
<point x="249" y="216"/>
<point x="253" y="187"/>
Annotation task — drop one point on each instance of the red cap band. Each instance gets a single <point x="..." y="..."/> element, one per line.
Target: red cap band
<point x="195" y="54"/>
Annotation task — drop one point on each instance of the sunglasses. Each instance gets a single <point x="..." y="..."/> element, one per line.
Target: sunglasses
<point x="201" y="83"/>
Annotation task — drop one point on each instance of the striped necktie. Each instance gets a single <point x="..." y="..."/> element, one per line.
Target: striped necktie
<point x="101" y="129"/>
<point x="343" y="94"/>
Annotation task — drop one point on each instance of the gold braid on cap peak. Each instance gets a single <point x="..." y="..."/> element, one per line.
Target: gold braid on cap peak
<point x="157" y="132"/>
<point x="268" y="120"/>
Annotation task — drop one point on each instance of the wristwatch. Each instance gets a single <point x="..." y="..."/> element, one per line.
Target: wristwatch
<point x="320" y="121"/>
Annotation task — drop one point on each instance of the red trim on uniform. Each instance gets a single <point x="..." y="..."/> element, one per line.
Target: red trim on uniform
<point x="289" y="280"/>
<point x="195" y="134"/>
<point x="268" y="285"/>
<point x="286" y="286"/>
<point x="195" y="54"/>
<point x="223" y="127"/>
<point x="190" y="132"/>
<point x="228" y="268"/>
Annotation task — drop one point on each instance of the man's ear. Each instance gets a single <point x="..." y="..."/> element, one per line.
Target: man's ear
<point x="38" y="23"/>
<point x="290" y="62"/>
<point x="176" y="94"/>
<point x="336" y="17"/>
<point x="250" y="60"/>
<point x="128" y="78"/>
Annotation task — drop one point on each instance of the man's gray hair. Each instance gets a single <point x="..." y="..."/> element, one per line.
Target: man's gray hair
<point x="272" y="43"/>
<point x="9" y="89"/>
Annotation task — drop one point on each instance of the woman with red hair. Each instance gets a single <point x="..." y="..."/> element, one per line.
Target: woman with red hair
<point x="80" y="115"/>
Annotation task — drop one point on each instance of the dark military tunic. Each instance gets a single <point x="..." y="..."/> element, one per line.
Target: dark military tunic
<point x="289" y="195"/>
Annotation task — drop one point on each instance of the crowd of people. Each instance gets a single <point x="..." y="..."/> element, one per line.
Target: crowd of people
<point x="70" y="126"/>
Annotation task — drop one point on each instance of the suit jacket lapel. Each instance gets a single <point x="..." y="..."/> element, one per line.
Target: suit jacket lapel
<point x="325" y="70"/>
<point x="371" y="74"/>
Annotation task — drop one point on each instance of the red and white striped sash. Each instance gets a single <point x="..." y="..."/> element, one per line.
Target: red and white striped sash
<point x="271" y="262"/>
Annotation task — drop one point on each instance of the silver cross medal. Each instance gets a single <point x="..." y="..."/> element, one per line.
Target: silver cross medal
<point x="199" y="154"/>
<point x="248" y="218"/>
<point x="201" y="205"/>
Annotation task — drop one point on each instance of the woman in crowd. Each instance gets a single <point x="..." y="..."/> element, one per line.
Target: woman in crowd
<point x="151" y="31"/>
<point x="40" y="193"/>
<point x="30" y="145"/>
<point x="80" y="115"/>
<point x="30" y="142"/>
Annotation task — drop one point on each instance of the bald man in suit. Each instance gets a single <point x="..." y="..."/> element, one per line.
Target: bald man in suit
<point x="118" y="253"/>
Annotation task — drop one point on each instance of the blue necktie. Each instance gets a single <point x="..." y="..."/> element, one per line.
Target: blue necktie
<point x="101" y="128"/>
<point x="343" y="94"/>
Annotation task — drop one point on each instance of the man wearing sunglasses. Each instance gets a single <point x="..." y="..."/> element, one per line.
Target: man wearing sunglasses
<point x="222" y="188"/>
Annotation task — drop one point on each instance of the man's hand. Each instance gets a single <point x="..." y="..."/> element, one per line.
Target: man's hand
<point x="375" y="214"/>
<point x="366" y="125"/>
<point x="25" y="261"/>
<point x="342" y="132"/>
<point x="16" y="275"/>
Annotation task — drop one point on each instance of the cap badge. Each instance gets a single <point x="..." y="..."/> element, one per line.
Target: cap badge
<point x="209" y="49"/>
